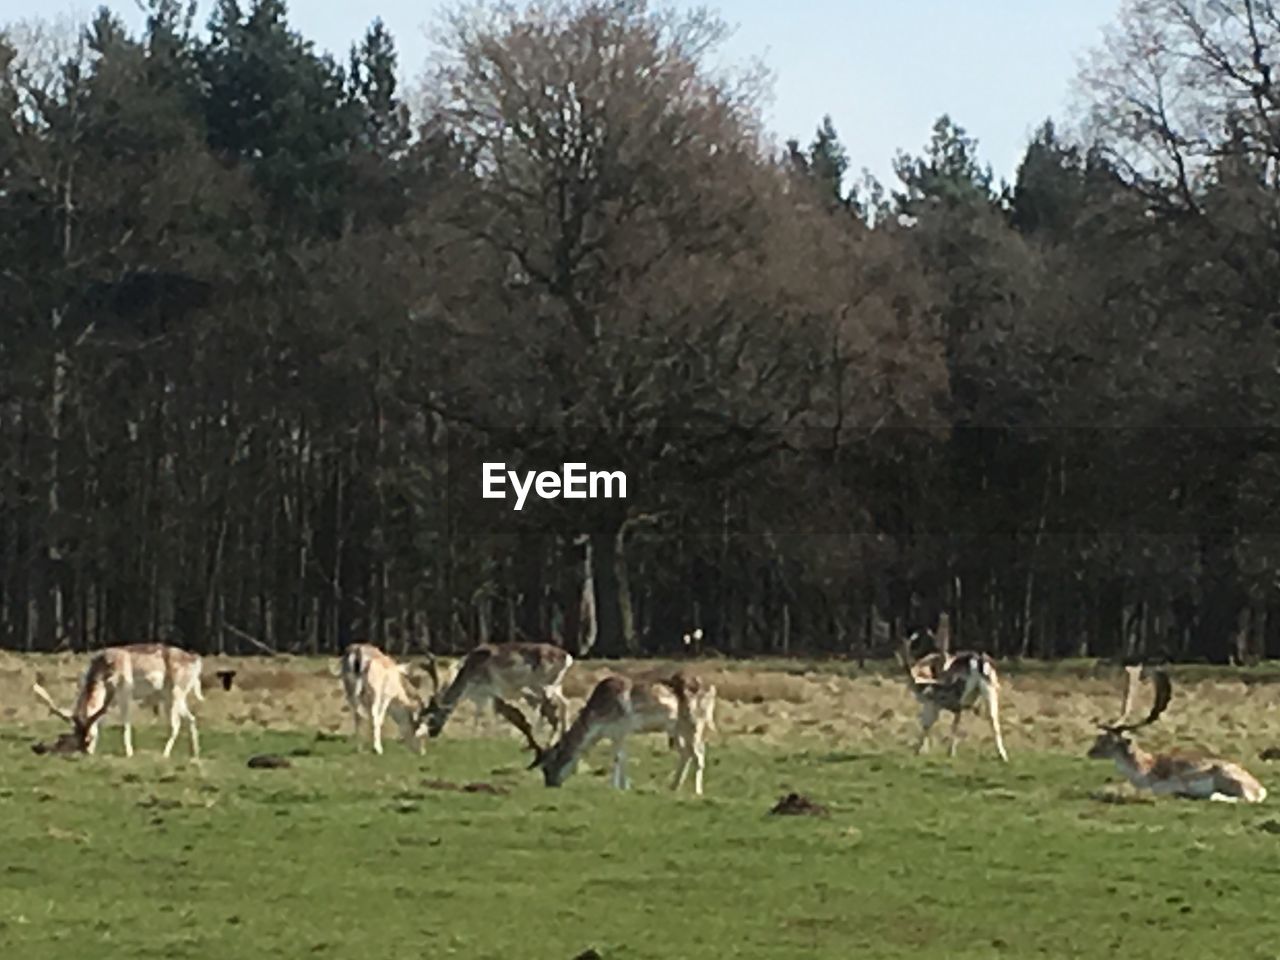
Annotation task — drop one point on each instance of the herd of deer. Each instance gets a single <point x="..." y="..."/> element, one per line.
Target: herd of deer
<point x="677" y="703"/>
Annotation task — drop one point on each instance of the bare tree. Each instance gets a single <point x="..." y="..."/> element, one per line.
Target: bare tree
<point x="1170" y="80"/>
<point x="626" y="194"/>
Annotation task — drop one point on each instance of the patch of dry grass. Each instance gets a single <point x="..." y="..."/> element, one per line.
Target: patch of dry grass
<point x="773" y="702"/>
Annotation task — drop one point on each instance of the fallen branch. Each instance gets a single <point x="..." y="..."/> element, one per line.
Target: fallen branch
<point x="250" y="638"/>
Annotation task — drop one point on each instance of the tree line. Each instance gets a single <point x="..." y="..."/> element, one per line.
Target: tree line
<point x="266" y="313"/>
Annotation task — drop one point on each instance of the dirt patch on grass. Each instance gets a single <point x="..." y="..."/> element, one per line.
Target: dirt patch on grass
<point x="489" y="788"/>
<point x="798" y="805"/>
<point x="269" y="761"/>
<point x="1121" y="797"/>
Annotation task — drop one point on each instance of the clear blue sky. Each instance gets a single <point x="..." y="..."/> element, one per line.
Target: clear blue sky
<point x="883" y="69"/>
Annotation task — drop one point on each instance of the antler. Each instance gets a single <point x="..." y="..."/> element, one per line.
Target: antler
<point x="904" y="657"/>
<point x="433" y="672"/>
<point x="97" y="714"/>
<point x="521" y="723"/>
<point x="917" y="672"/>
<point x="43" y="695"/>
<point x="1132" y="677"/>
<point x="1164" y="693"/>
<point x="539" y="752"/>
<point x="942" y="637"/>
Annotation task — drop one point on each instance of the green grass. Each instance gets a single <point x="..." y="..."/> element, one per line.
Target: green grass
<point x="347" y="855"/>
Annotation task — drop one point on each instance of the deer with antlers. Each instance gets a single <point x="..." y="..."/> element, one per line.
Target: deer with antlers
<point x="682" y="706"/>
<point x="498" y="674"/>
<point x="1174" y="773"/>
<point x="943" y="681"/>
<point x="377" y="686"/>
<point x="145" y="673"/>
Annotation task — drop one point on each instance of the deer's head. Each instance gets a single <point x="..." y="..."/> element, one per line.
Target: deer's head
<point x="1113" y="740"/>
<point x="433" y="715"/>
<point x="555" y="763"/>
<point x="82" y="723"/>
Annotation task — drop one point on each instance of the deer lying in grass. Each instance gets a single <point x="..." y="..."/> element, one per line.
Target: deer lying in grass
<point x="500" y="673"/>
<point x="375" y="685"/>
<point x="1174" y="773"/>
<point x="954" y="683"/>
<point x="144" y="673"/>
<point x="681" y="706"/>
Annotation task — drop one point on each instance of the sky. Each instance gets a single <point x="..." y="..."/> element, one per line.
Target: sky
<point x="883" y="69"/>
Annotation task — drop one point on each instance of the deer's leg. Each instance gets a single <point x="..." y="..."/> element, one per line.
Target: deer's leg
<point x="175" y="724"/>
<point x="407" y="721"/>
<point x="699" y="764"/>
<point x="683" y="763"/>
<point x="533" y="700"/>
<point x="550" y="710"/>
<point x="928" y="717"/>
<point x="377" y="715"/>
<point x="955" y="733"/>
<point x="407" y="727"/>
<point x="355" y="721"/>
<point x="125" y="719"/>
<point x="91" y="738"/>
<point x="562" y="705"/>
<point x="620" y="764"/>
<point x="191" y="729"/>
<point x="993" y="708"/>
<point x="411" y="740"/>
<point x="684" y="759"/>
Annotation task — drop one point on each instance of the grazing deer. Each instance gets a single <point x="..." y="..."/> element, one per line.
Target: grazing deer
<point x="681" y="706"/>
<point x="145" y="673"/>
<point x="954" y="683"/>
<point x="375" y="685"/>
<point x="499" y="673"/>
<point x="1174" y="773"/>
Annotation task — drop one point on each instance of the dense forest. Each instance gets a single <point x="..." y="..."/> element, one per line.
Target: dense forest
<point x="265" y="313"/>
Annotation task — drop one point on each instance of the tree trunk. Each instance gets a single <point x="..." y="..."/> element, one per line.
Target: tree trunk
<point x="615" y="636"/>
<point x="587" y="629"/>
<point x="1271" y="631"/>
<point x="1220" y="607"/>
<point x="57" y="400"/>
<point x="525" y="601"/>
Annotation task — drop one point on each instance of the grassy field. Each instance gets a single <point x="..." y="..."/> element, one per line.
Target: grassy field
<point x="347" y="854"/>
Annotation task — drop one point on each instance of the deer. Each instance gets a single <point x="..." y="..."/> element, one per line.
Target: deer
<point x="146" y="673"/>
<point x="952" y="682"/>
<point x="375" y="684"/>
<point x="681" y="706"/>
<point x="497" y="674"/>
<point x="1174" y="773"/>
